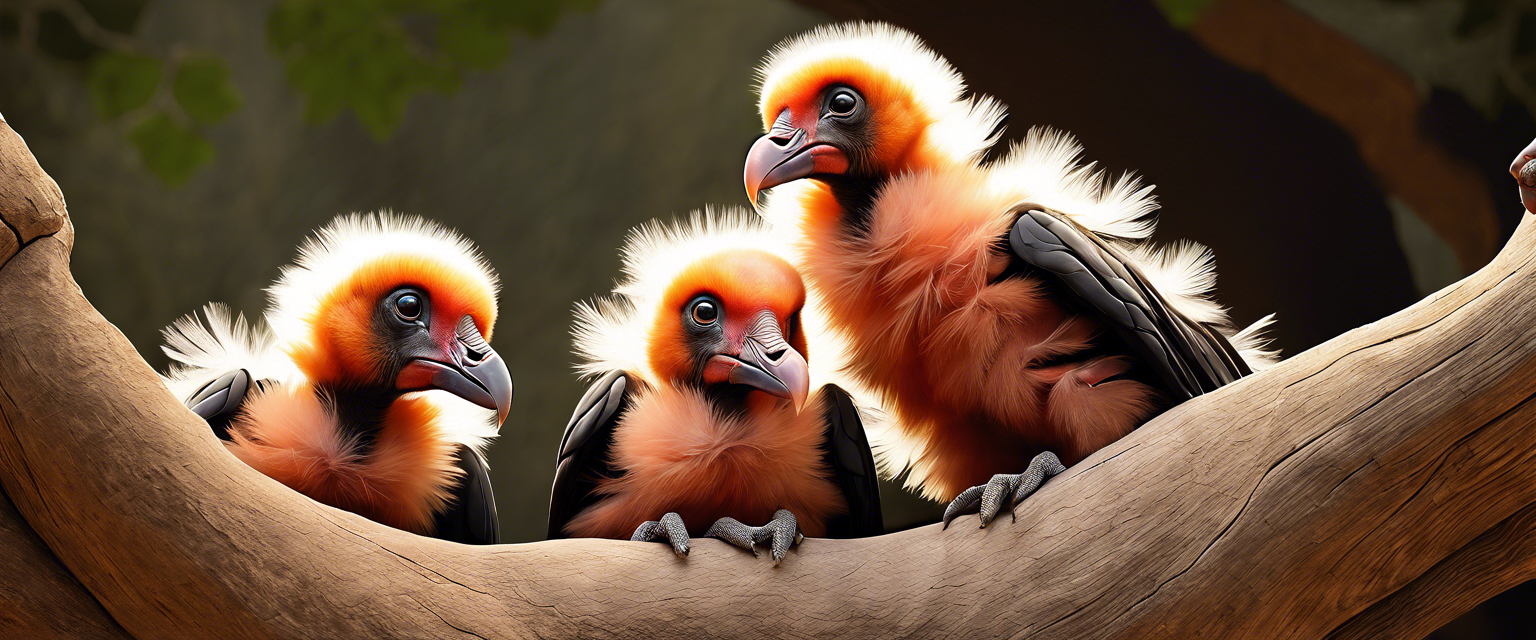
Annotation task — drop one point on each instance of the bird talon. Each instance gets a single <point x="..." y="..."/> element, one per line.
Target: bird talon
<point x="1004" y="491"/>
<point x="782" y="533"/>
<point x="669" y="529"/>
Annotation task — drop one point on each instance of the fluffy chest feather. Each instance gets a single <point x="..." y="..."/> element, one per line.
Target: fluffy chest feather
<point x="403" y="479"/>
<point x="918" y="289"/>
<point x="678" y="454"/>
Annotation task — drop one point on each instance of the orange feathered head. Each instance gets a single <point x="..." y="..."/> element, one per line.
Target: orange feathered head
<point x="860" y="101"/>
<point x="391" y="302"/>
<point x="709" y="304"/>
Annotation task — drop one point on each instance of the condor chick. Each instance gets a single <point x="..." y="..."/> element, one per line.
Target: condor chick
<point x="701" y="416"/>
<point x="374" y="390"/>
<point x="1007" y="312"/>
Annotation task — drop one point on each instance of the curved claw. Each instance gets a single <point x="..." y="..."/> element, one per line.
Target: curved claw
<point x="964" y="503"/>
<point x="781" y="533"/>
<point x="1004" y="490"/>
<point x="670" y="529"/>
<point x="784" y="530"/>
<point x="998" y="494"/>
<point x="734" y="533"/>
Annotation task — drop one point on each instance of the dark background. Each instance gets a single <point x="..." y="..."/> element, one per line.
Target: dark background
<point x="1342" y="158"/>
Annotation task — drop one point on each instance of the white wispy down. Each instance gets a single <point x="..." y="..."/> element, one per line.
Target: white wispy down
<point x="203" y="348"/>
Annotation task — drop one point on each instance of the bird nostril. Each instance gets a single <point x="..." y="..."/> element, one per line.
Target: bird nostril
<point x="782" y="141"/>
<point x="776" y="355"/>
<point x="471" y="355"/>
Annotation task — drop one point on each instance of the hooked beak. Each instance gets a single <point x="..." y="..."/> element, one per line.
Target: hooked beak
<point x="469" y="369"/>
<point x="766" y="363"/>
<point x="787" y="154"/>
<point x="1524" y="171"/>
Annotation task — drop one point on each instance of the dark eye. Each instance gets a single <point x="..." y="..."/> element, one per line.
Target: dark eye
<point x="408" y="306"/>
<point x="842" y="103"/>
<point x="704" y="312"/>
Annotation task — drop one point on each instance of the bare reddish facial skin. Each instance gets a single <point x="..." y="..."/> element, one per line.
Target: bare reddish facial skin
<point x="678" y="454"/>
<point x="290" y="436"/>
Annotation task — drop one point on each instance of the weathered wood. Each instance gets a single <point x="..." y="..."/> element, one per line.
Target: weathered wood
<point x="1503" y="556"/>
<point x="38" y="596"/>
<point x="1288" y="503"/>
<point x="31" y="204"/>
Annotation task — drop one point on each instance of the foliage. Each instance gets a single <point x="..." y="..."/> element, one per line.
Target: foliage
<point x="1183" y="13"/>
<point x="171" y="151"/>
<point x="374" y="56"/>
<point x="369" y="56"/>
<point x="122" y="82"/>
<point x="204" y="91"/>
<point x="125" y="85"/>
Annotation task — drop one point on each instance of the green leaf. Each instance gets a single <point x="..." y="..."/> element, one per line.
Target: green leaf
<point x="372" y="57"/>
<point x="381" y="113"/>
<point x="472" y="41"/>
<point x="1183" y="13"/>
<point x="122" y="82"/>
<point x="171" y="152"/>
<point x="203" y="89"/>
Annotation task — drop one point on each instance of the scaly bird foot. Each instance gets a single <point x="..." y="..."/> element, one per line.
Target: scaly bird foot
<point x="782" y="530"/>
<point x="1003" y="490"/>
<point x="669" y="528"/>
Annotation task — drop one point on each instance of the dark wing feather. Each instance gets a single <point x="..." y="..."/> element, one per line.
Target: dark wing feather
<point x="1188" y="358"/>
<point x="583" y="456"/>
<point x="471" y="516"/>
<point x="218" y="401"/>
<point x="846" y="452"/>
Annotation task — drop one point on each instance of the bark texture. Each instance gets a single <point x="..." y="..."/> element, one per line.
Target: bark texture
<point x="39" y="598"/>
<point x="1381" y="481"/>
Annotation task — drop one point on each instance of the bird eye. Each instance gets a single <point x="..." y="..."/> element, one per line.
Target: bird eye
<point x="842" y="103"/>
<point x="408" y="306"/>
<point x="704" y="312"/>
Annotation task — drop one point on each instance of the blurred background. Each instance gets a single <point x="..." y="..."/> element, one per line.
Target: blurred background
<point x="1342" y="158"/>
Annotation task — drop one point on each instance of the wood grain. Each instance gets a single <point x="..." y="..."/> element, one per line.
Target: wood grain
<point x="39" y="598"/>
<point x="1373" y="469"/>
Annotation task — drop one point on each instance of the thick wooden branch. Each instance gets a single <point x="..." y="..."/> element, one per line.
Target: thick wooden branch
<point x="1379" y="481"/>
<point x="39" y="598"/>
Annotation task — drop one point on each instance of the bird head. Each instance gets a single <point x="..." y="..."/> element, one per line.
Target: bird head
<point x="395" y="305"/>
<point x="728" y="324"/>
<point x="708" y="304"/>
<point x="862" y="101"/>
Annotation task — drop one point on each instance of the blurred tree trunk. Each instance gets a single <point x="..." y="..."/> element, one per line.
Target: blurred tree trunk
<point x="1258" y="113"/>
<point x="1379" y="484"/>
<point x="1373" y="101"/>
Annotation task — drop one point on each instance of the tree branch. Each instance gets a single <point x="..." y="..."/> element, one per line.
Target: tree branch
<point x="38" y="596"/>
<point x="1351" y="484"/>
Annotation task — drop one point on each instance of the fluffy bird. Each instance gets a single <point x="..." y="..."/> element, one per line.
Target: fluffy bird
<point x="374" y="390"/>
<point x="701" y="414"/>
<point x="1008" y="313"/>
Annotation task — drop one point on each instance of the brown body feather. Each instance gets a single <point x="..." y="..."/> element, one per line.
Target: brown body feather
<point x="959" y="355"/>
<point x="677" y="453"/>
<point x="404" y="481"/>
